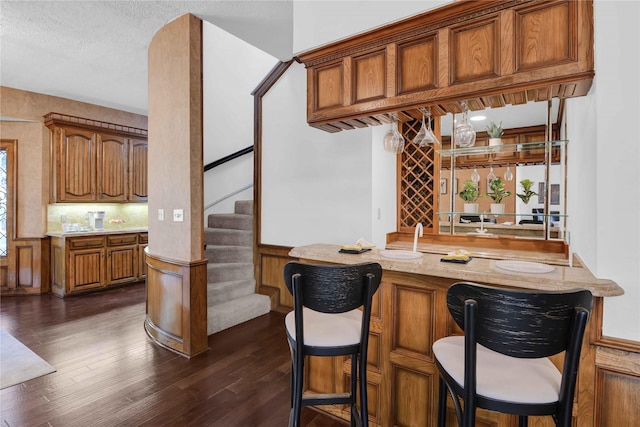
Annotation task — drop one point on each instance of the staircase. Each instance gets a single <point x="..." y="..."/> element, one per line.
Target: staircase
<point x="231" y="285"/>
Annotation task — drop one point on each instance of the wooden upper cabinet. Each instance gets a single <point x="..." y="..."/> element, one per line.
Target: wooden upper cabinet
<point x="94" y="161"/>
<point x="112" y="168"/>
<point x="138" y="171"/>
<point x="76" y="167"/>
<point x="488" y="53"/>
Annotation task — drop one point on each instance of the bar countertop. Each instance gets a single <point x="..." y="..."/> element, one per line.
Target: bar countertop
<point x="482" y="270"/>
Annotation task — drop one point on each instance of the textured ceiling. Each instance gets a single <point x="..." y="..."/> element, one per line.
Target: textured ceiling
<point x="96" y="51"/>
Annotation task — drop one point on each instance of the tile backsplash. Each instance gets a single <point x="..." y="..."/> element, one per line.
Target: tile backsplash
<point x="134" y="215"/>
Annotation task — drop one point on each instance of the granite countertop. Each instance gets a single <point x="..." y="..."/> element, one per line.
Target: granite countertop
<point x="482" y="270"/>
<point x="96" y="232"/>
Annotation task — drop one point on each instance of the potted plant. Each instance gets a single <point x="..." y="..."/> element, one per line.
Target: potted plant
<point x="470" y="194"/>
<point x="495" y="133"/>
<point x="498" y="192"/>
<point x="526" y="195"/>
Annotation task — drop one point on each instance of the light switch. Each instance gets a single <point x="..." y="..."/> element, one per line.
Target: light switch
<point x="160" y="214"/>
<point x="178" y="215"/>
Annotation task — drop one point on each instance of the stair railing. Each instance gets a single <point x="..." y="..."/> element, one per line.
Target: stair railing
<point x="226" y="196"/>
<point x="230" y="157"/>
<point x="222" y="161"/>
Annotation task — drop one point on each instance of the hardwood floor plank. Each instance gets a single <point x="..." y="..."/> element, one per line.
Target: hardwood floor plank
<point x="108" y="372"/>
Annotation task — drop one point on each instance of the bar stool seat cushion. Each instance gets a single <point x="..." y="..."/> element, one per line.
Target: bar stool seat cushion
<point x="502" y="377"/>
<point x="327" y="329"/>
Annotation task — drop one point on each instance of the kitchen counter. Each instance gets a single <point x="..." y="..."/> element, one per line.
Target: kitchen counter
<point x="96" y="232"/>
<point x="482" y="270"/>
<point x="84" y="261"/>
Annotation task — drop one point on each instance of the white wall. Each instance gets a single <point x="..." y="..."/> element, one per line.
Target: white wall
<point x="316" y="186"/>
<point x="604" y="177"/>
<point x="316" y="22"/>
<point x="232" y="69"/>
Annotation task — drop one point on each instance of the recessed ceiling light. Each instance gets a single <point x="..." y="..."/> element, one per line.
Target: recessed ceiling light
<point x="478" y="118"/>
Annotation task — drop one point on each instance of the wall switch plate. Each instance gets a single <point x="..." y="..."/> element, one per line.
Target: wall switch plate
<point x="160" y="214"/>
<point x="178" y="215"/>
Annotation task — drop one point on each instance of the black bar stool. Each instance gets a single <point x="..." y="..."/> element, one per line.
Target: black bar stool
<point x="326" y="321"/>
<point x="501" y="363"/>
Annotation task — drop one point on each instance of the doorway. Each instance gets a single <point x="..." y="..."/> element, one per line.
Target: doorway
<point x="7" y="191"/>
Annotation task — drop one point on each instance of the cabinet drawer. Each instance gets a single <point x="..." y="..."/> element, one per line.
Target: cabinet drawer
<point x="86" y="242"/>
<point x="143" y="238"/>
<point x="122" y="239"/>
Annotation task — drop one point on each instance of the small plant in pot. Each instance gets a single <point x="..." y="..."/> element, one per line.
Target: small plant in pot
<point x="495" y="133"/>
<point x="470" y="194"/>
<point x="527" y="193"/>
<point x="498" y="192"/>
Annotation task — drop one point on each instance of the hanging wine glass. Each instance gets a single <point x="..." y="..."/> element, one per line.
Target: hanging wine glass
<point x="492" y="176"/>
<point x="390" y="140"/>
<point x="398" y="138"/>
<point x="508" y="175"/>
<point x="393" y="141"/>
<point x="419" y="138"/>
<point x="475" y="176"/>
<point x="465" y="135"/>
<point x="429" y="136"/>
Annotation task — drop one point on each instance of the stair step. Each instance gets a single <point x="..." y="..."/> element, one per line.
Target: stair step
<point x="220" y="292"/>
<point x="221" y="236"/>
<point x="234" y="312"/>
<point x="232" y="221"/>
<point x="224" y="272"/>
<point x="244" y="207"/>
<point x="222" y="253"/>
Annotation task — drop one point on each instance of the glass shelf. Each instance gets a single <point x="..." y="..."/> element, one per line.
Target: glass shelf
<point x="489" y="214"/>
<point x="503" y="148"/>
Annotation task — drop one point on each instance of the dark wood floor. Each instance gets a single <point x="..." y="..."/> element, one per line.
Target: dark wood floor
<point x="110" y="374"/>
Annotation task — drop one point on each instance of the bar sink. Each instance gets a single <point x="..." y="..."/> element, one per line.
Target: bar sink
<point x="399" y="254"/>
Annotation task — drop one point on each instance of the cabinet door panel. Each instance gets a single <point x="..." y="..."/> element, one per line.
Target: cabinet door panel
<point x="86" y="269"/>
<point x="122" y="264"/>
<point x="138" y="155"/>
<point x="77" y="168"/>
<point x="417" y="65"/>
<point x="112" y="168"/>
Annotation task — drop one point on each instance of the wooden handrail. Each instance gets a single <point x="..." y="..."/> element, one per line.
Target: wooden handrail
<point x="230" y="157"/>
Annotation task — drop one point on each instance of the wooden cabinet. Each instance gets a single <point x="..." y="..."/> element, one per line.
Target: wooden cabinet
<point x="138" y="161"/>
<point x="82" y="263"/>
<point x="112" y="168"/>
<point x="489" y="53"/>
<point x="93" y="161"/>
<point x="86" y="263"/>
<point x="122" y="258"/>
<point x="75" y="167"/>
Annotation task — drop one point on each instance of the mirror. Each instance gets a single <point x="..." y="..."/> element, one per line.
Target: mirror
<point x="522" y="156"/>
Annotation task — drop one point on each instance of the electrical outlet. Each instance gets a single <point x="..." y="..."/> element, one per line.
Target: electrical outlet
<point x="178" y="215"/>
<point x="160" y="214"/>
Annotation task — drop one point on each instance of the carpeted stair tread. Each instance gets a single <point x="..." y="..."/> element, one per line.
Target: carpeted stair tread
<point x="224" y="272"/>
<point x="231" y="313"/>
<point x="244" y="207"/>
<point x="223" y="253"/>
<point x="231" y="221"/>
<point x="220" y="292"/>
<point x="223" y="236"/>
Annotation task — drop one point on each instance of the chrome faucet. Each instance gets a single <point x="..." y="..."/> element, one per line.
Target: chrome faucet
<point x="419" y="230"/>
